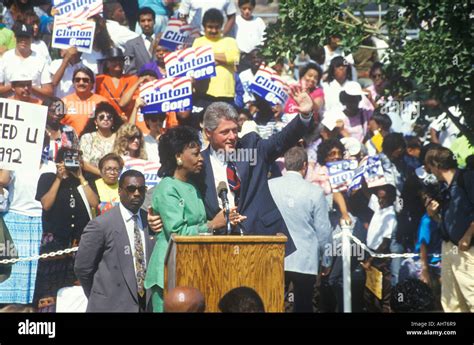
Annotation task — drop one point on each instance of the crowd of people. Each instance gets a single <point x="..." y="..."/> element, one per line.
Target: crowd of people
<point x="112" y="177"/>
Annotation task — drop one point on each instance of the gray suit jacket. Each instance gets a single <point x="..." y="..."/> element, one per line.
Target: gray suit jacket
<point x="135" y="48"/>
<point x="104" y="264"/>
<point x="306" y="214"/>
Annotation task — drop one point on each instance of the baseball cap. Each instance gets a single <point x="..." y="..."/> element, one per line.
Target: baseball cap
<point x="22" y="30"/>
<point x="20" y="75"/>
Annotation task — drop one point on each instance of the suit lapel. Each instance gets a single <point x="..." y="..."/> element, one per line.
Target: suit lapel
<point x="149" y="244"/>
<point x="210" y="197"/>
<point x="125" y="255"/>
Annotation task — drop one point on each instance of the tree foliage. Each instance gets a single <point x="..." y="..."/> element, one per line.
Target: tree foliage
<point x="438" y="64"/>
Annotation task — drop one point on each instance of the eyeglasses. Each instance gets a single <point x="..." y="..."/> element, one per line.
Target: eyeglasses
<point x="132" y="138"/>
<point x="112" y="170"/>
<point x="84" y="80"/>
<point x="133" y="189"/>
<point x="102" y="117"/>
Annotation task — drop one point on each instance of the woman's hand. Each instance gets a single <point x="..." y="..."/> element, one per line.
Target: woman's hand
<point x="220" y="220"/>
<point x="154" y="221"/>
<point x="61" y="172"/>
<point x="139" y="103"/>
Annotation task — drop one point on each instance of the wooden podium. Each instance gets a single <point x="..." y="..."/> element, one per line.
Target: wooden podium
<point x="217" y="264"/>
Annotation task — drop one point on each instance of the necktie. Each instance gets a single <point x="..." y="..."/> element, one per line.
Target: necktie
<point x="139" y="257"/>
<point x="233" y="181"/>
<point x="150" y="48"/>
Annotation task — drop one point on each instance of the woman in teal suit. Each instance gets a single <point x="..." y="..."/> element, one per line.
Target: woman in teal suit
<point x="178" y="202"/>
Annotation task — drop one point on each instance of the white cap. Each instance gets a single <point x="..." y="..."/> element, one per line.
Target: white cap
<point x="353" y="88"/>
<point x="20" y="75"/>
<point x="330" y="117"/>
<point x="352" y="145"/>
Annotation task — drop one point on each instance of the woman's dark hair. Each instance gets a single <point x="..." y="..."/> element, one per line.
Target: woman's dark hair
<point x="393" y="142"/>
<point x="107" y="107"/>
<point x="102" y="40"/>
<point x="413" y="142"/>
<point x="213" y="15"/>
<point x="383" y="120"/>
<point x="146" y="10"/>
<point x="243" y="2"/>
<point x="326" y="146"/>
<point x="174" y="142"/>
<point x="85" y="70"/>
<point x="111" y="157"/>
<point x="311" y="65"/>
<point x="337" y="62"/>
<point x="376" y="65"/>
<point x="150" y="116"/>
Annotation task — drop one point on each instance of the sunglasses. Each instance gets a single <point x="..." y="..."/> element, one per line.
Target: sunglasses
<point x="102" y="117"/>
<point x="133" y="189"/>
<point x="84" y="80"/>
<point x="132" y="138"/>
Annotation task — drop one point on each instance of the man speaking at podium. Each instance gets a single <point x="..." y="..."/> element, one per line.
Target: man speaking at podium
<point x="243" y="164"/>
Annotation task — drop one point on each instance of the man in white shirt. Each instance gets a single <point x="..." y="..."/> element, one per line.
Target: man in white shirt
<point x="114" y="251"/>
<point x="62" y="70"/>
<point x="193" y="11"/>
<point x="22" y="58"/>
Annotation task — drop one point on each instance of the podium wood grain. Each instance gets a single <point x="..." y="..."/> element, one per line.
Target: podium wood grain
<point x="217" y="264"/>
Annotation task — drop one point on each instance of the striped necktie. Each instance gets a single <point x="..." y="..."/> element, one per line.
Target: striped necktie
<point x="234" y="181"/>
<point x="139" y="257"/>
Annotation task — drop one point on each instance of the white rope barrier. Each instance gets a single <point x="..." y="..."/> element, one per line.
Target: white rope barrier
<point x="38" y="257"/>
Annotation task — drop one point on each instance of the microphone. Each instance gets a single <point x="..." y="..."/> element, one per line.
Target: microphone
<point x="222" y="194"/>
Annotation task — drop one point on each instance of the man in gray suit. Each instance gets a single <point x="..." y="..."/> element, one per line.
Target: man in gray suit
<point x="114" y="251"/>
<point x="305" y="211"/>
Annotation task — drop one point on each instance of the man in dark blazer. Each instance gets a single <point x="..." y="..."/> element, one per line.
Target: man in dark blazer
<point x="252" y="157"/>
<point x="114" y="251"/>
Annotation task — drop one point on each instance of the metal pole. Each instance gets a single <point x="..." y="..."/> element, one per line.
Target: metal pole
<point x="346" y="268"/>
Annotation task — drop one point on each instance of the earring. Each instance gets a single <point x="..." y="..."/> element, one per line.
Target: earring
<point x="179" y="162"/>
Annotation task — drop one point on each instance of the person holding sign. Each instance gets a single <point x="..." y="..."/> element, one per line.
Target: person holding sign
<point x="22" y="59"/>
<point x="114" y="83"/>
<point x="226" y="54"/>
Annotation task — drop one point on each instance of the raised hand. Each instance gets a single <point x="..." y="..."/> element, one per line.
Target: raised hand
<point x="302" y="99"/>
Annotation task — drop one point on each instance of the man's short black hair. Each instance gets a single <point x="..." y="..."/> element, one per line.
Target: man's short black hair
<point x="130" y="173"/>
<point x="146" y="10"/>
<point x="243" y="2"/>
<point x="392" y="142"/>
<point x="241" y="300"/>
<point x="213" y="15"/>
<point x="412" y="295"/>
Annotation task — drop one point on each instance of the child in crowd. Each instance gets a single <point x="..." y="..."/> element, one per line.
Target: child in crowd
<point x="250" y="30"/>
<point x="381" y="227"/>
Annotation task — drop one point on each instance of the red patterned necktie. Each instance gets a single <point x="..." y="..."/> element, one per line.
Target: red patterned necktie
<point x="233" y="181"/>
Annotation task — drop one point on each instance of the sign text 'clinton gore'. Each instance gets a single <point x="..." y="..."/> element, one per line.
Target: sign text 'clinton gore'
<point x="73" y="33"/>
<point x="269" y="85"/>
<point x="178" y="35"/>
<point x="197" y="63"/>
<point x="169" y="94"/>
<point x="77" y="9"/>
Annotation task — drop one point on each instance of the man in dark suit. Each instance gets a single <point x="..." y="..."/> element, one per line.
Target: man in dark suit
<point x="114" y="252"/>
<point x="243" y="164"/>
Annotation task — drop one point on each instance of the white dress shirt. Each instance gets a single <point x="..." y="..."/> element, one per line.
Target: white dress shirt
<point x="219" y="169"/>
<point x="127" y="216"/>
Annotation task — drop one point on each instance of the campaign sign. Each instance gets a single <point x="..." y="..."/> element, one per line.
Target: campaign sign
<point x="21" y="134"/>
<point x="73" y="33"/>
<point x="197" y="63"/>
<point x="269" y="85"/>
<point x="178" y="35"/>
<point x="77" y="9"/>
<point x="149" y="169"/>
<point x="169" y="94"/>
<point x="341" y="174"/>
<point x="374" y="175"/>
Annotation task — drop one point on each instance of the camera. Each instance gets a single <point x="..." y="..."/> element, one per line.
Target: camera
<point x="71" y="160"/>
